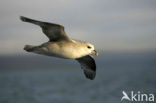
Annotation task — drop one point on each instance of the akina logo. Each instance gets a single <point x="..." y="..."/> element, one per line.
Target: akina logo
<point x="137" y="96"/>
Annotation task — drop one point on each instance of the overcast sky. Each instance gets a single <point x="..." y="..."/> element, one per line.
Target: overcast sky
<point x="111" y="25"/>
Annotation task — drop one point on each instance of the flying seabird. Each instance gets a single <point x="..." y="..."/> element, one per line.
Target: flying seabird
<point x="61" y="46"/>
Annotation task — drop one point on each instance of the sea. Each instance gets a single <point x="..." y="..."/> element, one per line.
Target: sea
<point x="39" y="79"/>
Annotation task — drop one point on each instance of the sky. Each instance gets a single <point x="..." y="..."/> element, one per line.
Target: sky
<point x="110" y="25"/>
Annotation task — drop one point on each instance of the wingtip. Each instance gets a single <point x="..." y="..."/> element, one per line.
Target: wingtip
<point x="22" y="18"/>
<point x="90" y="76"/>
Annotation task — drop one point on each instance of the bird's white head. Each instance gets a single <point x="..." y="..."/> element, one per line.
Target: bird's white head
<point x="90" y="49"/>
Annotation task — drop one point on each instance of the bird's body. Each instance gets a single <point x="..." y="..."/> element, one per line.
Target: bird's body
<point x="61" y="46"/>
<point x="62" y="49"/>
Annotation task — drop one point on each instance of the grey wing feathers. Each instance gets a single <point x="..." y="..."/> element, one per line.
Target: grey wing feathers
<point x="54" y="32"/>
<point x="88" y="65"/>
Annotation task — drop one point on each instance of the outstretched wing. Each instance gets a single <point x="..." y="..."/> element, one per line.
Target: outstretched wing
<point x="88" y="65"/>
<point x="54" y="32"/>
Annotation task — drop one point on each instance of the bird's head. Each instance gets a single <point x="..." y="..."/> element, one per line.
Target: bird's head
<point x="90" y="49"/>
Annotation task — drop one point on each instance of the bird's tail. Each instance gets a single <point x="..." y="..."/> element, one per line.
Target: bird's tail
<point x="25" y="19"/>
<point x="29" y="48"/>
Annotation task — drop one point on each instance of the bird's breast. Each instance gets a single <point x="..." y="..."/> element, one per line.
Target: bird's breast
<point x="64" y="50"/>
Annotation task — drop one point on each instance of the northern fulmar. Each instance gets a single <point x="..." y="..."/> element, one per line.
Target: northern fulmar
<point x="61" y="46"/>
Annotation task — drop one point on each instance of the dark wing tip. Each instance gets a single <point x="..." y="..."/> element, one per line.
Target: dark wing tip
<point x="22" y="18"/>
<point x="89" y="66"/>
<point x="90" y="75"/>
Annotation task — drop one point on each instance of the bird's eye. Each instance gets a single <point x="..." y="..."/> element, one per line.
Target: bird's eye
<point x="88" y="47"/>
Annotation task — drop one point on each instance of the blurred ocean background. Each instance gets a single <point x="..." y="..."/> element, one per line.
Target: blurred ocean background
<point x="38" y="79"/>
<point x="122" y="31"/>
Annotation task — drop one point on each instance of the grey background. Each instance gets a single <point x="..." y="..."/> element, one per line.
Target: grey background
<point x="111" y="25"/>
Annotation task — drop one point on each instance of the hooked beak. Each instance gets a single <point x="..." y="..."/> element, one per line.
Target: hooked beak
<point x="95" y="52"/>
